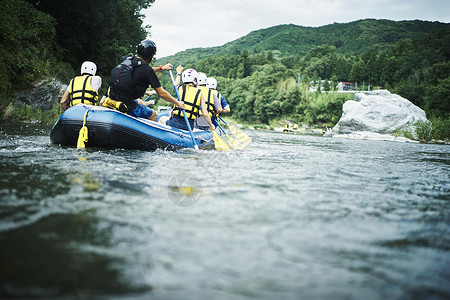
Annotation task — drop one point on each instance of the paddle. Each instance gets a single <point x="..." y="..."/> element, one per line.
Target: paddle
<point x="233" y="142"/>
<point x="184" y="112"/>
<point x="237" y="133"/>
<point x="219" y="142"/>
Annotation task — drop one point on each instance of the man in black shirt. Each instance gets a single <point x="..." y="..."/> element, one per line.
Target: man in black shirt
<point x="143" y="77"/>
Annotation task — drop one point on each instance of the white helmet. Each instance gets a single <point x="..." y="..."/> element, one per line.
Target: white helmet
<point x="201" y="79"/>
<point x="190" y="75"/>
<point x="88" y="67"/>
<point x="211" y="83"/>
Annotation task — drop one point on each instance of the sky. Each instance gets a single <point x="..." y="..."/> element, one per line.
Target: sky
<point x="178" y="25"/>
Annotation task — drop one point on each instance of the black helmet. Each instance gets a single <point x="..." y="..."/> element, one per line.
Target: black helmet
<point x="146" y="49"/>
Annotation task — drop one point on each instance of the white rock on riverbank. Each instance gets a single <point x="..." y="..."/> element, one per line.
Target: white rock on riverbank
<point x="376" y="115"/>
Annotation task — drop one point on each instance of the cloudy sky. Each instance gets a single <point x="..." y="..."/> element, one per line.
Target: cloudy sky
<point x="178" y="25"/>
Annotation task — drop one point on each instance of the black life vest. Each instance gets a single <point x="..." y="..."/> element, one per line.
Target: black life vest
<point x="121" y="79"/>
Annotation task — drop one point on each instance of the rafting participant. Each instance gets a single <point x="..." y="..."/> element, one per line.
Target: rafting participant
<point x="192" y="98"/>
<point x="142" y="76"/>
<point x="212" y="102"/>
<point x="84" y="88"/>
<point x="212" y="85"/>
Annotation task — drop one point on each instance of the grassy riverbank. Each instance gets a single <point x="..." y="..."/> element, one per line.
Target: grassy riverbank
<point x="11" y="113"/>
<point x="437" y="130"/>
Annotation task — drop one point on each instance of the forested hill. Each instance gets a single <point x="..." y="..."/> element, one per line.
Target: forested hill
<point x="266" y="74"/>
<point x="349" y="39"/>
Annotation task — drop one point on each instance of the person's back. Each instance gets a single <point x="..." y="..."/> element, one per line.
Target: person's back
<point x="192" y="98"/>
<point x="211" y="100"/>
<point x="142" y="76"/>
<point x="83" y="89"/>
<point x="212" y="84"/>
<point x="121" y="82"/>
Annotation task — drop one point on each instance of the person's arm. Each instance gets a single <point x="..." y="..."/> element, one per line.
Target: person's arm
<point x="168" y="97"/>
<point x="146" y="103"/>
<point x="65" y="100"/>
<point x="150" y="93"/>
<point x="166" y="67"/>
<point x="178" y="77"/>
<point x="225" y="106"/>
<point x="96" y="83"/>
<point x="149" y="102"/>
<point x="205" y="112"/>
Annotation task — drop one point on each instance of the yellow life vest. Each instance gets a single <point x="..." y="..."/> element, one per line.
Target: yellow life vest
<point x="81" y="91"/>
<point x="190" y="95"/>
<point x="209" y="99"/>
<point x="219" y="96"/>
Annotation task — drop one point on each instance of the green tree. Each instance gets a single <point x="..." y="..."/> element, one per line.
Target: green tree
<point x="244" y="58"/>
<point x="438" y="99"/>
<point x="101" y="30"/>
<point x="27" y="44"/>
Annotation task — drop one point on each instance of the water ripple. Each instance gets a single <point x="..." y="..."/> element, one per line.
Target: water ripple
<point x="291" y="217"/>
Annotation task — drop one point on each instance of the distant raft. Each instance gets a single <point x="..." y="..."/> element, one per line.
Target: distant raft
<point x="107" y="128"/>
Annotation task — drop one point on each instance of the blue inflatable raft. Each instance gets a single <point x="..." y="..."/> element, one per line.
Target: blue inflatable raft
<point x="109" y="128"/>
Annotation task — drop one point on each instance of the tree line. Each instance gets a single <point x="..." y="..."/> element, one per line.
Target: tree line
<point x="260" y="73"/>
<point x="265" y="75"/>
<point x="51" y="38"/>
<point x="262" y="86"/>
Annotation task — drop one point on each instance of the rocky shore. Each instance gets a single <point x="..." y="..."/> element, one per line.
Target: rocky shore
<point x="377" y="115"/>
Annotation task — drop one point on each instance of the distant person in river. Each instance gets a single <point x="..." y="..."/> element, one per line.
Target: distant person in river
<point x="212" y="102"/>
<point x="82" y="89"/>
<point x="192" y="98"/>
<point x="123" y="95"/>
<point x="212" y="85"/>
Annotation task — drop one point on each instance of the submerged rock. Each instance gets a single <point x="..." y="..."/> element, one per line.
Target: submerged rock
<point x="376" y="112"/>
<point x="42" y="95"/>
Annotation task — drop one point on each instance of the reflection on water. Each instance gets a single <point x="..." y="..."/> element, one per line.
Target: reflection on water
<point x="184" y="189"/>
<point x="293" y="217"/>
<point x="85" y="180"/>
<point x="62" y="254"/>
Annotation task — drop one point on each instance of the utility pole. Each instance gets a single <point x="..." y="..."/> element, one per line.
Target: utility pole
<point x="298" y="79"/>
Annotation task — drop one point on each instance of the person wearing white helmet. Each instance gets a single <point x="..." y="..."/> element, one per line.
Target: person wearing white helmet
<point x="211" y="100"/>
<point x="212" y="85"/>
<point x="192" y="98"/>
<point x="201" y="79"/>
<point x="82" y="89"/>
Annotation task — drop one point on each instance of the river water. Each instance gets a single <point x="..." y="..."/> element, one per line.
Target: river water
<point x="291" y="217"/>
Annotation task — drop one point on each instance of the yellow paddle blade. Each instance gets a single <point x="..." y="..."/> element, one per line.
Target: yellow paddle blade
<point x="82" y="137"/>
<point x="219" y="142"/>
<point x="235" y="144"/>
<point x="240" y="135"/>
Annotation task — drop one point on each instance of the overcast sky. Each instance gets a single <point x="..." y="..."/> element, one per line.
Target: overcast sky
<point x="178" y="25"/>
